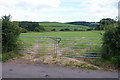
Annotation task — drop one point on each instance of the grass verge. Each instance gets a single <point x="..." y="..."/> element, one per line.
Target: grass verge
<point x="9" y="55"/>
<point x="106" y="65"/>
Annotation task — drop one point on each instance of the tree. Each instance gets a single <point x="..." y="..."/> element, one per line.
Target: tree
<point x="6" y="18"/>
<point x="76" y="30"/>
<point x="62" y="30"/>
<point x="31" y="26"/>
<point x="23" y="30"/>
<point x="10" y="34"/>
<point x="53" y="30"/>
<point x="66" y="29"/>
<point x="37" y="29"/>
<point x="106" y="23"/>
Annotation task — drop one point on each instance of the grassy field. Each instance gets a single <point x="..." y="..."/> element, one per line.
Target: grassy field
<point x="68" y="46"/>
<point x="88" y="34"/>
<point x="58" y="26"/>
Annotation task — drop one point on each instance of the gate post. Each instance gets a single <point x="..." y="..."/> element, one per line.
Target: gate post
<point x="56" y="41"/>
<point x="55" y="48"/>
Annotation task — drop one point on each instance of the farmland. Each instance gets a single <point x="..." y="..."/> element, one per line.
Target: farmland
<point x="62" y="26"/>
<point x="74" y="34"/>
<point x="66" y="34"/>
<point x="51" y="26"/>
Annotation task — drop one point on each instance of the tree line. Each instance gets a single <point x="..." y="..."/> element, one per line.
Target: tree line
<point x="30" y="26"/>
<point x="85" y="26"/>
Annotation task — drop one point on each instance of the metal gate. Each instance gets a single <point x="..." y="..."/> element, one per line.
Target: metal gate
<point x="67" y="47"/>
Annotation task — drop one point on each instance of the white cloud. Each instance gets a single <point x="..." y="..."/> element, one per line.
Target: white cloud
<point x="24" y="9"/>
<point x="27" y="4"/>
<point x="93" y="10"/>
<point x="53" y="9"/>
<point x="107" y="8"/>
<point x="32" y="3"/>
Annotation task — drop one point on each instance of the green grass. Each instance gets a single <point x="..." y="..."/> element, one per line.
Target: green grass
<point x="79" y="34"/>
<point x="10" y="55"/>
<point x="58" y="26"/>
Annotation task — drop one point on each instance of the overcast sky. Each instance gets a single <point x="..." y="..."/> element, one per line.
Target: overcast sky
<point x="59" y="10"/>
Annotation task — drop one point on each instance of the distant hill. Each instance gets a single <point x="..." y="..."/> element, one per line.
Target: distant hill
<point x="49" y="26"/>
<point x="89" y="24"/>
<point x="57" y="26"/>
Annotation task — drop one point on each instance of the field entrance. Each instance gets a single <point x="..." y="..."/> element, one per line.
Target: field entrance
<point x="60" y="46"/>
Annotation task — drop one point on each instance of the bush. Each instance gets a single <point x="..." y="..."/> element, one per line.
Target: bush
<point x="111" y="43"/>
<point x="53" y="30"/>
<point x="39" y="29"/>
<point x="116" y="60"/>
<point x="66" y="29"/>
<point x="10" y="34"/>
<point x="62" y="30"/>
<point x="76" y="30"/>
<point x="24" y="30"/>
<point x="89" y="29"/>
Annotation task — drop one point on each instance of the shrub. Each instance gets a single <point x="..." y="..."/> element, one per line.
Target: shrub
<point x="53" y="30"/>
<point x="24" y="30"/>
<point x="104" y="23"/>
<point x="89" y="29"/>
<point x="39" y="29"/>
<point x="111" y="43"/>
<point x="116" y="60"/>
<point x="62" y="30"/>
<point x="10" y="34"/>
<point x="76" y="30"/>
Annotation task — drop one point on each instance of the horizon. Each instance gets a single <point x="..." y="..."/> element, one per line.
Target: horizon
<point x="59" y="10"/>
<point x="54" y="21"/>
